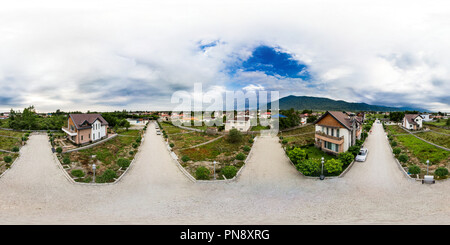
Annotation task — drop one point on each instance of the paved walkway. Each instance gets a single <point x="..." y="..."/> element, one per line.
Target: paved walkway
<point x="269" y="191"/>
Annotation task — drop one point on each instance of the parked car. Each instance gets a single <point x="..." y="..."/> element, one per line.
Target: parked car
<point x="361" y="157"/>
<point x="158" y="132"/>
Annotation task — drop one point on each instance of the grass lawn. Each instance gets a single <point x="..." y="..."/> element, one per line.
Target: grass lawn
<point x="220" y="150"/>
<point x="438" y="139"/>
<point x="306" y="129"/>
<point x="11" y="133"/>
<point x="259" y="128"/>
<point x="315" y="153"/>
<point x="106" y="156"/>
<point x="170" y="129"/>
<point x="420" y="151"/>
<point x="395" y="129"/>
<point x="182" y="141"/>
<point x="7" y="143"/>
<point x="442" y="123"/>
<point x="300" y="136"/>
<point x="444" y="130"/>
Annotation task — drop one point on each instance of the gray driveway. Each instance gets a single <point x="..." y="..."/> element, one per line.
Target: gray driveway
<point x="269" y="191"/>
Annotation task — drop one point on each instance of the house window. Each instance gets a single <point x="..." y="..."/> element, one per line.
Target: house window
<point x="328" y="132"/>
<point x="81" y="137"/>
<point x="337" y="133"/>
<point x="332" y="132"/>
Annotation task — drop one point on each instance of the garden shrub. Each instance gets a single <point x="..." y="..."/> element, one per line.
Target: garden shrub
<point x="165" y="136"/>
<point x="247" y="148"/>
<point x="229" y="171"/>
<point x="250" y="141"/>
<point x="66" y="160"/>
<point x="27" y="135"/>
<point x="394" y="143"/>
<point x="414" y="169"/>
<point x="403" y="158"/>
<point x="171" y="145"/>
<point x="396" y="151"/>
<point x="7" y="159"/>
<point x="333" y="166"/>
<point x="107" y="176"/>
<point x="77" y="173"/>
<point x="24" y="138"/>
<point x="346" y="157"/>
<point x="234" y="136"/>
<point x="135" y="145"/>
<point x="202" y="173"/>
<point x="15" y="149"/>
<point x="284" y="142"/>
<point x="240" y="156"/>
<point x="131" y="152"/>
<point x="123" y="162"/>
<point x="281" y="137"/>
<point x="138" y="140"/>
<point x="185" y="158"/>
<point x="59" y="149"/>
<point x="441" y="172"/>
<point x="354" y="150"/>
<point x="297" y="155"/>
<point x="309" y="167"/>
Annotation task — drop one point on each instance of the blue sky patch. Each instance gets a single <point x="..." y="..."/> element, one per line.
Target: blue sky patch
<point x="203" y="47"/>
<point x="274" y="62"/>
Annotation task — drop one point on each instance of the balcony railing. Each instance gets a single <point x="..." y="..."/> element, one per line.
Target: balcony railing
<point x="67" y="131"/>
<point x="329" y="136"/>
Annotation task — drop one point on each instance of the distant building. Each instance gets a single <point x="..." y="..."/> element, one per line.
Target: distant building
<point x="337" y="131"/>
<point x="242" y="124"/>
<point x="412" y="121"/>
<point x="84" y="128"/>
<point x="303" y="118"/>
<point x="426" y="117"/>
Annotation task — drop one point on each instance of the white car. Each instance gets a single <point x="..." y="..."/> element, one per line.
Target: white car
<point x="158" y="132"/>
<point x="361" y="157"/>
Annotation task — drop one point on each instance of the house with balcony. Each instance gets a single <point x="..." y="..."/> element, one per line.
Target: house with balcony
<point x="337" y="131"/>
<point x="86" y="128"/>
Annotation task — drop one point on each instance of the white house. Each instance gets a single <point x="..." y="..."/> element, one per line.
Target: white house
<point x="426" y="117"/>
<point x="242" y="124"/>
<point x="412" y="121"/>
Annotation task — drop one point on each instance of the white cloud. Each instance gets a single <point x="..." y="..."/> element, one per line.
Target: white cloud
<point x="106" y="55"/>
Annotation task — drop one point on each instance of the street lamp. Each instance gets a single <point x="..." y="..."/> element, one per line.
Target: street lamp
<point x="214" y="170"/>
<point x="322" y="176"/>
<point x="93" y="168"/>
<point x="428" y="161"/>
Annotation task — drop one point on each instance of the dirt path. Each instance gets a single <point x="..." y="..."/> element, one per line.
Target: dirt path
<point x="269" y="191"/>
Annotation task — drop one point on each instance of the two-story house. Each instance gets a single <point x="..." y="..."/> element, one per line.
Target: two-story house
<point x="412" y="121"/>
<point x="337" y="131"/>
<point x="85" y="128"/>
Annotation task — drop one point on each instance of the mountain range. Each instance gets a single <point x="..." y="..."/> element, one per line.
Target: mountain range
<point x="323" y="104"/>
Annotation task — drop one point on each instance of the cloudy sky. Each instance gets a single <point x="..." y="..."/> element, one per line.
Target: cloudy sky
<point x="114" y="55"/>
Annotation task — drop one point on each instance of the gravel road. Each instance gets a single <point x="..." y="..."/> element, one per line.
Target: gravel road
<point x="269" y="191"/>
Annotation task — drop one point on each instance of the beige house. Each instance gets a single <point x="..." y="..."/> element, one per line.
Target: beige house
<point x="86" y="128"/>
<point x="337" y="131"/>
